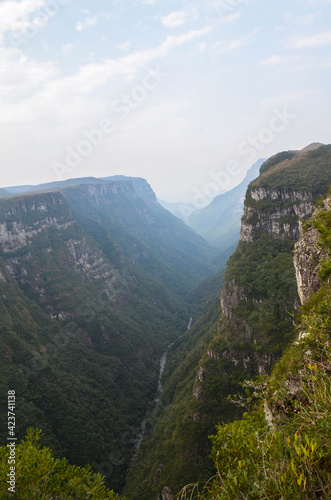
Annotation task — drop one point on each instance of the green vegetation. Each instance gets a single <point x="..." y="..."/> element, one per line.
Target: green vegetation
<point x="264" y="268"/>
<point x="259" y="300"/>
<point x="39" y="475"/>
<point x="176" y="447"/>
<point x="281" y="447"/>
<point x="155" y="241"/>
<point x="308" y="172"/>
<point x="82" y="327"/>
<point x="275" y="160"/>
<point x="104" y="284"/>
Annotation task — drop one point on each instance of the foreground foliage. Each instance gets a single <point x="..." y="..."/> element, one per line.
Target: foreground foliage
<point x="40" y="476"/>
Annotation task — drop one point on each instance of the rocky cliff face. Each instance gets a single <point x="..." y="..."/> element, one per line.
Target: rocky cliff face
<point x="38" y="234"/>
<point x="258" y="304"/>
<point x="80" y="326"/>
<point x="101" y="193"/>
<point x="140" y="186"/>
<point x="308" y="258"/>
<point x="275" y="212"/>
<point x="22" y="219"/>
<point x="260" y="292"/>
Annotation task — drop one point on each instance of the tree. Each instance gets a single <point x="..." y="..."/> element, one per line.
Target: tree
<point x="36" y="474"/>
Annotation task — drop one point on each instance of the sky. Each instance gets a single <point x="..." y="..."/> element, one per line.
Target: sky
<point x="186" y="94"/>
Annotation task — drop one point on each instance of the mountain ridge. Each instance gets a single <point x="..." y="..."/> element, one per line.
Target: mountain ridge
<point x="219" y="222"/>
<point x="81" y="322"/>
<point x="259" y="301"/>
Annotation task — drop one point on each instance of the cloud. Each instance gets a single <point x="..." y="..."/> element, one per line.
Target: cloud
<point x="88" y="21"/>
<point x="125" y="46"/>
<point x="36" y="91"/>
<point x="311" y="65"/>
<point x="230" y="18"/>
<point x="28" y="76"/>
<point x="202" y="46"/>
<point x="319" y="40"/>
<point x="69" y="48"/>
<point x="284" y="98"/>
<point x="275" y="59"/>
<point x="223" y="46"/>
<point x="15" y="16"/>
<point x="97" y="74"/>
<point x="178" y="18"/>
<point x="226" y="45"/>
<point x="302" y="20"/>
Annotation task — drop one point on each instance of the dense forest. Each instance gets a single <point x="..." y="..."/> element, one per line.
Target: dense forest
<point x="98" y="283"/>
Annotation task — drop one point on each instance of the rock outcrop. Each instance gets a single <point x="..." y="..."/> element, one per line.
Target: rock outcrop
<point x="308" y="258"/>
<point x="166" y="494"/>
<point x="275" y="212"/>
<point x="259" y="295"/>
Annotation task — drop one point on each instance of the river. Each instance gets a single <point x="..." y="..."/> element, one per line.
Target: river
<point x="163" y="362"/>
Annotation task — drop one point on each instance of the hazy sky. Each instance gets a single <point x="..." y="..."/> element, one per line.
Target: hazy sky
<point x="187" y="94"/>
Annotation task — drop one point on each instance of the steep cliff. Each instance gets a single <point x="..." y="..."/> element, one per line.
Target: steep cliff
<point x="259" y="298"/>
<point x="281" y="448"/>
<point x="153" y="239"/>
<point x="259" y="301"/>
<point x="219" y="222"/>
<point x="82" y="325"/>
<point x="309" y="256"/>
<point x="162" y="246"/>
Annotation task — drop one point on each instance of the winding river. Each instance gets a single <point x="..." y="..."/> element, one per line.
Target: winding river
<point x="163" y="362"/>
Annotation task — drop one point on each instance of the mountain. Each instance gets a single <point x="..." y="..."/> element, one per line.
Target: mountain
<point x="141" y="187"/>
<point x="219" y="222"/>
<point x="93" y="280"/>
<point x="100" y="286"/>
<point x="180" y="210"/>
<point x="239" y="339"/>
<point x="281" y="448"/>
<point x="152" y="238"/>
<point x="3" y="193"/>
<point x="16" y="189"/>
<point x="13" y="190"/>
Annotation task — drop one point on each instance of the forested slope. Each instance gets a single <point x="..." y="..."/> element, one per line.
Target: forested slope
<point x="247" y="335"/>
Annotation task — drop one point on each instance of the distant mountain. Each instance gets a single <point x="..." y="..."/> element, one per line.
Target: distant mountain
<point x="153" y="239"/>
<point x="140" y="185"/>
<point x="150" y="236"/>
<point x="180" y="210"/>
<point x="16" y="189"/>
<point x="219" y="222"/>
<point x="50" y="185"/>
<point x="3" y="193"/>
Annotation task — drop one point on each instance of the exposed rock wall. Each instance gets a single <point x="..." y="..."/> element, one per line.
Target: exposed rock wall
<point x="308" y="257"/>
<point x="275" y="212"/>
<point x="255" y="319"/>
<point x="37" y="234"/>
<point x="25" y="218"/>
